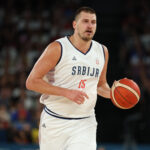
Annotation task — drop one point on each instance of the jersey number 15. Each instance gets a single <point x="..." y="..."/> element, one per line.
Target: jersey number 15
<point x="82" y="84"/>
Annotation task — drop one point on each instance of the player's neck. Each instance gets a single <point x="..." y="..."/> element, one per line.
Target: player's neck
<point x="80" y="44"/>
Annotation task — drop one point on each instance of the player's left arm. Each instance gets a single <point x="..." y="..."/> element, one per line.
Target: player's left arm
<point x="103" y="88"/>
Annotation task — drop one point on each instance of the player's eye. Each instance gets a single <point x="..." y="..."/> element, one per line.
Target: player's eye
<point x="94" y="22"/>
<point x="85" y="20"/>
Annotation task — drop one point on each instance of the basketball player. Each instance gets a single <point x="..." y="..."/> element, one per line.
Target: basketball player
<point x="69" y="74"/>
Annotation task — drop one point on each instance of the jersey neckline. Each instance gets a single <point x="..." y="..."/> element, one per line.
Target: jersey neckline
<point x="77" y="48"/>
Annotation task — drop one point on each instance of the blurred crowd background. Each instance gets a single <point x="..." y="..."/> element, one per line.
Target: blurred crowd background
<point x="27" y="27"/>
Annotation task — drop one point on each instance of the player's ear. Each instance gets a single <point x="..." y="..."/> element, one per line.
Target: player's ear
<point x="74" y="24"/>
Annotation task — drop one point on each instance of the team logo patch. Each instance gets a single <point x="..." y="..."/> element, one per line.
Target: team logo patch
<point x="43" y="125"/>
<point x="74" y="58"/>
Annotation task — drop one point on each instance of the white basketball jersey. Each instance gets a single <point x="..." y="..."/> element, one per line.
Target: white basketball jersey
<point x="75" y="70"/>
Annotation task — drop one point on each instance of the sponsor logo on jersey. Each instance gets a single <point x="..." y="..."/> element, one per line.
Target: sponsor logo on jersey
<point x="87" y="71"/>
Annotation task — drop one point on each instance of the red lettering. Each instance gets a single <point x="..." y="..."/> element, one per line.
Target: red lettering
<point x="82" y="84"/>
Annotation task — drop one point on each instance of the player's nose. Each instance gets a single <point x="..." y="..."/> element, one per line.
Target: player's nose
<point x="90" y="25"/>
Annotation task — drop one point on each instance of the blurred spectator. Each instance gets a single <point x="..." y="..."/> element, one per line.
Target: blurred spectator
<point x="135" y="61"/>
<point x="5" y="95"/>
<point x="4" y="123"/>
<point x="101" y="148"/>
<point x="26" y="29"/>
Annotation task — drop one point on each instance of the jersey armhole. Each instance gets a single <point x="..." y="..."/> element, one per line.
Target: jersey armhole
<point x="61" y="52"/>
<point x="103" y="51"/>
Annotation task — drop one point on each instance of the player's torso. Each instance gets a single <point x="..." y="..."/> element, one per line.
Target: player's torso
<point x="75" y="70"/>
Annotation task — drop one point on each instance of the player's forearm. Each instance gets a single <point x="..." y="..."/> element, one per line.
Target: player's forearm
<point x="41" y="86"/>
<point x="104" y="91"/>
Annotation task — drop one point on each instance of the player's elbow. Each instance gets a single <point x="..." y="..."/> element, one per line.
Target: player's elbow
<point x="29" y="83"/>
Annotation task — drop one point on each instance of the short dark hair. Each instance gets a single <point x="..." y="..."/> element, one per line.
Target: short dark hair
<point x="84" y="9"/>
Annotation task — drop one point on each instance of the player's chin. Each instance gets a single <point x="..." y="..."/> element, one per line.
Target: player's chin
<point x="88" y="38"/>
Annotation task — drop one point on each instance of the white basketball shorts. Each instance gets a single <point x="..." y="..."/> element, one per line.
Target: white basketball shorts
<point x="62" y="134"/>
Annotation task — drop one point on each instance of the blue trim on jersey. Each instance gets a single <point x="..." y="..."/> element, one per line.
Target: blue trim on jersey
<point x="51" y="111"/>
<point x="103" y="51"/>
<point x="61" y="52"/>
<point x="48" y="111"/>
<point x="78" y="49"/>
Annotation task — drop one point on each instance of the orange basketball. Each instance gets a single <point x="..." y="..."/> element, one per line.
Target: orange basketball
<point x="125" y="93"/>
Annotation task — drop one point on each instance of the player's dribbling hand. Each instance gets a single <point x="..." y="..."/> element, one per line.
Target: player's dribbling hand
<point x="77" y="96"/>
<point x="114" y="83"/>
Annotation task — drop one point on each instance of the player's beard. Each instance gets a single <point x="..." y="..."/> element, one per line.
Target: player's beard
<point x="86" y="38"/>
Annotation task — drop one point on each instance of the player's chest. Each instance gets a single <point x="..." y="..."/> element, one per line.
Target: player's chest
<point x="85" y="65"/>
<point x="87" y="60"/>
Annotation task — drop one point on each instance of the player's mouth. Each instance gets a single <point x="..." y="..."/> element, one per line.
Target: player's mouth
<point x="89" y="31"/>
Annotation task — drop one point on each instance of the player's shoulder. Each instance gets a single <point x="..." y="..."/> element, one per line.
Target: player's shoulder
<point x="53" y="45"/>
<point x="99" y="44"/>
<point x="96" y="42"/>
<point x="62" y="39"/>
<point x="56" y="43"/>
<point x="103" y="48"/>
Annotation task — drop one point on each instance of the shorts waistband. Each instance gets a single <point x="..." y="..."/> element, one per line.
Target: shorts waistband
<point x="48" y="111"/>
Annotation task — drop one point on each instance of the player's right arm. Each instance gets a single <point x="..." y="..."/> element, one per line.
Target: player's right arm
<point x="46" y="62"/>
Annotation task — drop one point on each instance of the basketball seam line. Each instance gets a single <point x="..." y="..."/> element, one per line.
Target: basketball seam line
<point x="128" y="88"/>
<point x="123" y="96"/>
<point x="115" y="102"/>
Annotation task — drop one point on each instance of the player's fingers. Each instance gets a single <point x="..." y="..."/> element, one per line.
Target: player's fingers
<point x="79" y="101"/>
<point x="81" y="98"/>
<point x="113" y="85"/>
<point x="84" y="94"/>
<point x="115" y="82"/>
